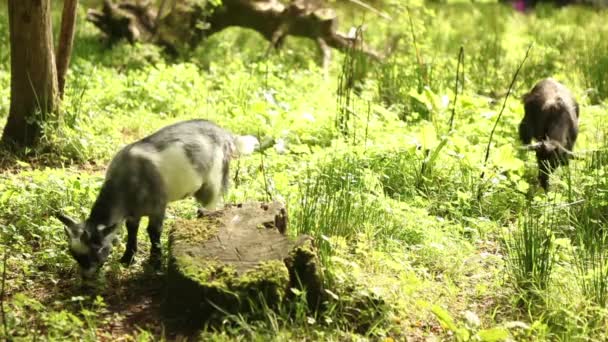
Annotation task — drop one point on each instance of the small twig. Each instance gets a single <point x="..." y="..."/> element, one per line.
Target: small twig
<point x="487" y="156"/>
<point x="159" y="14"/>
<point x="66" y="42"/>
<point x="268" y="192"/>
<point x="425" y="161"/>
<point x="381" y="14"/>
<point x="418" y="57"/>
<point x="346" y="82"/>
<point x="266" y="188"/>
<point x="460" y="61"/>
<point x="562" y="205"/>
<point x="326" y="52"/>
<point x="369" y="111"/>
<point x="462" y="75"/>
<point x="2" y="310"/>
<point x="237" y="172"/>
<point x="414" y="37"/>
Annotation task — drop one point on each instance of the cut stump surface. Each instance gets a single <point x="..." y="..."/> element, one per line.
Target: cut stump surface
<point x="236" y="260"/>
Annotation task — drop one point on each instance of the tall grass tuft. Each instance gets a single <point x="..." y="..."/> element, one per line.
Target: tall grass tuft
<point x="590" y="221"/>
<point x="593" y="64"/>
<point x="342" y="197"/>
<point x="591" y="262"/>
<point x="354" y="69"/>
<point x="531" y="251"/>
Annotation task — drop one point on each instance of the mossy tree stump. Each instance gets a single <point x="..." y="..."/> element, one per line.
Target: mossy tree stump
<point x="237" y="260"/>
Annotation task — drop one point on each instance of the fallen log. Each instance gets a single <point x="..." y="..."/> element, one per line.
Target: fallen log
<point x="237" y="260"/>
<point x="188" y="22"/>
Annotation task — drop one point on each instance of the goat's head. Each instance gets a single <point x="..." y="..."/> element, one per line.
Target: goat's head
<point x="549" y="150"/>
<point x="89" y="243"/>
<point x="549" y="154"/>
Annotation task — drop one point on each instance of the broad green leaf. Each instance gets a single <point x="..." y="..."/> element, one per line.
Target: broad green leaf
<point x="493" y="334"/>
<point x="462" y="334"/>
<point x="428" y="136"/>
<point x="444" y="318"/>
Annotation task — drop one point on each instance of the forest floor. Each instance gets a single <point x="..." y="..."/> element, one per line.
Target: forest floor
<point x="421" y="237"/>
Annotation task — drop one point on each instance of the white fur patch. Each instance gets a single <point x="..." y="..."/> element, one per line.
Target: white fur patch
<point x="179" y="175"/>
<point x="280" y="146"/>
<point x="77" y="246"/>
<point x="246" y="144"/>
<point x="110" y="239"/>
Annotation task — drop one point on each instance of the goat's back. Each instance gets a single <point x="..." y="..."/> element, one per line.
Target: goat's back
<point x="551" y="111"/>
<point x="172" y="163"/>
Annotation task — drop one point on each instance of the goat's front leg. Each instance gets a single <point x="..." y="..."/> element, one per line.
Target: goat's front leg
<point x="132" y="228"/>
<point x="155" y="229"/>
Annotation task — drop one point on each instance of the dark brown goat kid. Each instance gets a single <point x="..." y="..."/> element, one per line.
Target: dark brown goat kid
<point x="551" y="118"/>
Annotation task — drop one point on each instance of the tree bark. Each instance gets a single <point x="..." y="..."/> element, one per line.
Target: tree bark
<point x="66" y="39"/>
<point x="33" y="73"/>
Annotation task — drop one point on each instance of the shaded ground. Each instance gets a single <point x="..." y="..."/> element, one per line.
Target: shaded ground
<point x="132" y="302"/>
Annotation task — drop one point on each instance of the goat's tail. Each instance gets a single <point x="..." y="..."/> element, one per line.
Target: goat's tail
<point x="245" y="144"/>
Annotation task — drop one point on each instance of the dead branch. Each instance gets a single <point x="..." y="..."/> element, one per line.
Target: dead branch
<point x="187" y="23"/>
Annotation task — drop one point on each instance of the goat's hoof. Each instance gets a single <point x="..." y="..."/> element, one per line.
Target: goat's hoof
<point x="155" y="265"/>
<point x="202" y="212"/>
<point x="155" y="261"/>
<point x="127" y="260"/>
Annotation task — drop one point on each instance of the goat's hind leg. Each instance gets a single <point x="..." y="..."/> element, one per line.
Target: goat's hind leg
<point x="209" y="195"/>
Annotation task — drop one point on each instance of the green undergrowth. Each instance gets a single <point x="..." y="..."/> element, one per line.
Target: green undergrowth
<point x="418" y="235"/>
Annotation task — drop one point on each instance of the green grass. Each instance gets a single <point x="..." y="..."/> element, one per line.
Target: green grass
<point x="413" y="242"/>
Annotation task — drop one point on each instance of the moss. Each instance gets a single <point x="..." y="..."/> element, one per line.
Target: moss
<point x="268" y="280"/>
<point x="198" y="288"/>
<point x="305" y="273"/>
<point x="272" y="270"/>
<point x="359" y="308"/>
<point x="211" y="273"/>
<point x="194" y="231"/>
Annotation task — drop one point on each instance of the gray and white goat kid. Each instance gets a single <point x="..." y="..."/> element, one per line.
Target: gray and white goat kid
<point x="189" y="158"/>
<point x="551" y="118"/>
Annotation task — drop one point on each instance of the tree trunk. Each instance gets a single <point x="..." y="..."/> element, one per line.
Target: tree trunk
<point x="33" y="73"/>
<point x="66" y="39"/>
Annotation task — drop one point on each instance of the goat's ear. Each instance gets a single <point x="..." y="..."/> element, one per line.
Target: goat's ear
<point x="70" y="226"/>
<point x="65" y="220"/>
<point x="106" y="231"/>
